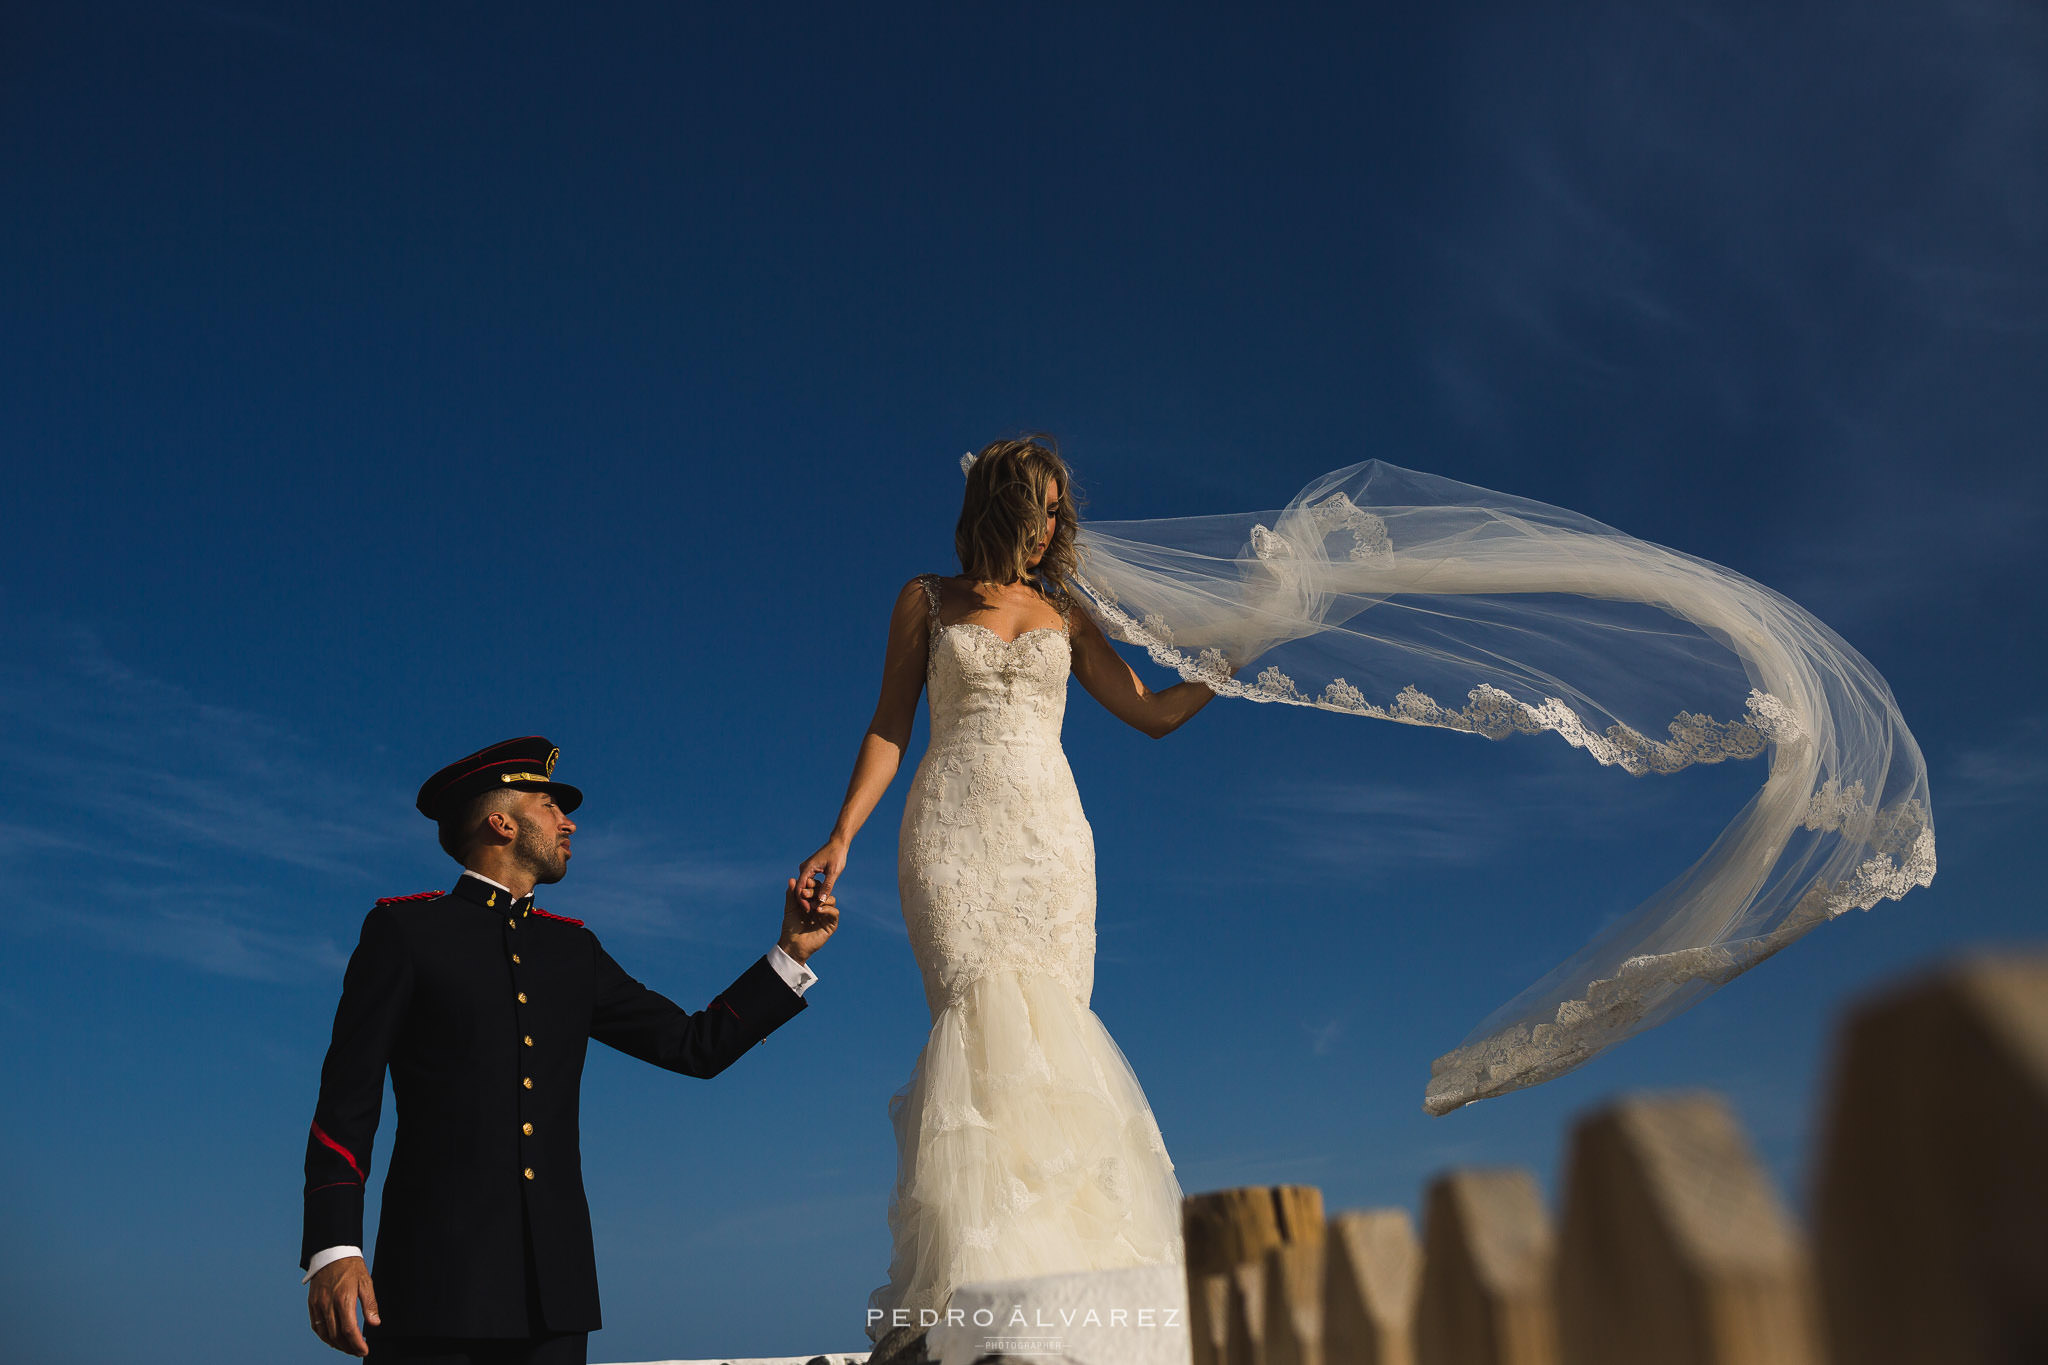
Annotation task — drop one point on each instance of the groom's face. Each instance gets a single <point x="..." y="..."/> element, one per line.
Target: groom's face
<point x="542" y="844"/>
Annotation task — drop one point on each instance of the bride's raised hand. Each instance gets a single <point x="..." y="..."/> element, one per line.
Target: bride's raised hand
<point x="827" y="863"/>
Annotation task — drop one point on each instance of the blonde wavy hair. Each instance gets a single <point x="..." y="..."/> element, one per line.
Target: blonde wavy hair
<point x="1003" y="514"/>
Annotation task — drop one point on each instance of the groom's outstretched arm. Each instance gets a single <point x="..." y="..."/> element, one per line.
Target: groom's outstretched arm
<point x="646" y="1024"/>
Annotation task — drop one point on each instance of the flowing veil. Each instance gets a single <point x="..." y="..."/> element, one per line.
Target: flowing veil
<point x="1399" y="595"/>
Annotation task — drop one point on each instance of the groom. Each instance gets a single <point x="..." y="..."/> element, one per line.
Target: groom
<point x="481" y="1004"/>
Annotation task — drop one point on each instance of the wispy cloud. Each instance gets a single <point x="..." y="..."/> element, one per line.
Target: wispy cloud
<point x="2011" y="772"/>
<point x="636" y="882"/>
<point x="174" y="827"/>
<point x="1915" y="519"/>
<point x="1324" y="1037"/>
<point x="202" y="928"/>
<point x="135" y="769"/>
<point x="1725" y="233"/>
<point x="168" y="826"/>
<point x="1389" y="823"/>
<point x="667" y="886"/>
<point x="1968" y="295"/>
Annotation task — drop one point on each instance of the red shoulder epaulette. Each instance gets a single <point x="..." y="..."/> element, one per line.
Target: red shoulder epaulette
<point x="563" y="918"/>
<point x="416" y="896"/>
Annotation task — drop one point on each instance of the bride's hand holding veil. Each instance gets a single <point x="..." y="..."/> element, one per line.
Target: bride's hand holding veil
<point x="1115" y="684"/>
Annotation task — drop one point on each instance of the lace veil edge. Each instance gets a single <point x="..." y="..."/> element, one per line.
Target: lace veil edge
<point x="1379" y="589"/>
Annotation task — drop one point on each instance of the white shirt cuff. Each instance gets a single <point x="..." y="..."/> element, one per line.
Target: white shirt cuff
<point x="799" y="977"/>
<point x="322" y="1259"/>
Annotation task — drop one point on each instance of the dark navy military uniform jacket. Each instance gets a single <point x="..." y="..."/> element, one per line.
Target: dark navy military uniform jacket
<point x="482" y="1008"/>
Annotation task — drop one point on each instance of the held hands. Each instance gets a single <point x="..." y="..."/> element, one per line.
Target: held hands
<point x="806" y="921"/>
<point x="818" y="872"/>
<point x="331" y="1302"/>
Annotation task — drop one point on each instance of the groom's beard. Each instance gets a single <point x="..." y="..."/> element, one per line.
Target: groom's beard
<point x="541" y="854"/>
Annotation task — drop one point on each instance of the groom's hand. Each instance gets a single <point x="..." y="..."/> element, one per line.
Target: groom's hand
<point x="332" y="1304"/>
<point x="806" y="923"/>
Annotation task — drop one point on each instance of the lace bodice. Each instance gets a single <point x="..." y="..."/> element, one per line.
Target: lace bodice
<point x="995" y="862"/>
<point x="985" y="689"/>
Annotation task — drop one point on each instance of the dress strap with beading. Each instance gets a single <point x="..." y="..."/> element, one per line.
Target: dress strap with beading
<point x="930" y="582"/>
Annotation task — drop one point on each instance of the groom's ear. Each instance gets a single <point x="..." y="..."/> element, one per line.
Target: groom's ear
<point x="499" y="813"/>
<point x="483" y="818"/>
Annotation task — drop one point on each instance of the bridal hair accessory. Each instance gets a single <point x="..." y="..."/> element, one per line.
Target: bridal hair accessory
<point x="966" y="462"/>
<point x="1403" y="596"/>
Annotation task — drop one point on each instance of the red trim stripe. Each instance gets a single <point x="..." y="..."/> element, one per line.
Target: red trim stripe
<point x="334" y="1185"/>
<point x="494" y="763"/>
<point x="346" y="1154"/>
<point x="415" y="896"/>
<point x="493" y="748"/>
<point x="563" y="918"/>
<point x="728" y="1008"/>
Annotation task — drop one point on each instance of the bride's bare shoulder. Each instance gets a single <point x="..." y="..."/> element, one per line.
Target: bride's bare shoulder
<point x="918" y="598"/>
<point x="1084" y="632"/>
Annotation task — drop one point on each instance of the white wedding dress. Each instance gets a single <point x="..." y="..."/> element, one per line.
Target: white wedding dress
<point x="1024" y="1144"/>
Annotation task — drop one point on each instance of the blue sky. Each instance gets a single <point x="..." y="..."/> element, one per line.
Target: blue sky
<point x="381" y="383"/>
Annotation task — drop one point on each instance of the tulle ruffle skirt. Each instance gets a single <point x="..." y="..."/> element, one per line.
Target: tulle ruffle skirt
<point x="1024" y="1147"/>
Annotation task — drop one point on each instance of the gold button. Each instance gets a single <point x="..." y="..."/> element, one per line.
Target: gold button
<point x="529" y="1172"/>
<point x="522" y="997"/>
<point x="527" y="1082"/>
<point x="515" y="957"/>
<point x="526" y="1128"/>
<point x="529" y="1040"/>
<point x="510" y="925"/>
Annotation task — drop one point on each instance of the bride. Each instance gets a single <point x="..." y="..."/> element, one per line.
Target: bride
<point x="1024" y="1144"/>
<point x="1378" y="592"/>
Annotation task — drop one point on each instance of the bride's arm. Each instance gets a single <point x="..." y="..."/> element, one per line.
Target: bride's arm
<point x="1123" y="694"/>
<point x="881" y="748"/>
